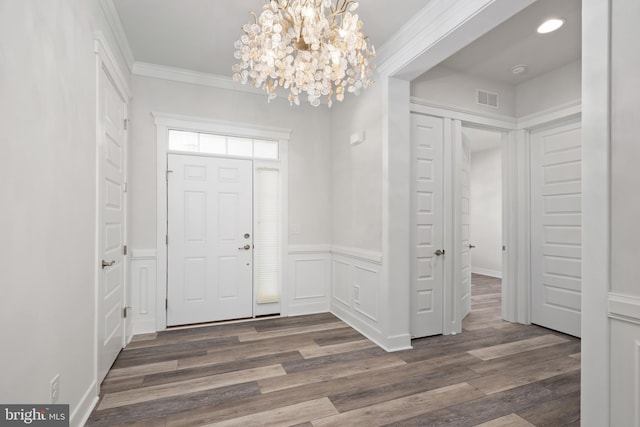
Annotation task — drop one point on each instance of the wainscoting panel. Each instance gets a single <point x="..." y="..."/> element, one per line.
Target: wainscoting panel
<point x="625" y="373"/>
<point x="365" y="291"/>
<point x="624" y="317"/>
<point x="309" y="274"/>
<point x="341" y="282"/>
<point x="345" y="282"/>
<point x="355" y="284"/>
<point x="143" y="291"/>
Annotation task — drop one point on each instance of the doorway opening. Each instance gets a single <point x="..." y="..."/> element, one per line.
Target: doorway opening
<point x="485" y="226"/>
<point x="475" y="87"/>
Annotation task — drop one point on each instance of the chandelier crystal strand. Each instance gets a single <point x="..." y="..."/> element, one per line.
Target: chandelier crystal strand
<point x="305" y="46"/>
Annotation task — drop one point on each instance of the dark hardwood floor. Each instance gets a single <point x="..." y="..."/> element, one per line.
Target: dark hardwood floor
<point x="317" y="371"/>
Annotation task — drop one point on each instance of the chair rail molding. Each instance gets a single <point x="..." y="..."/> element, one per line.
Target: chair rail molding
<point x="624" y="307"/>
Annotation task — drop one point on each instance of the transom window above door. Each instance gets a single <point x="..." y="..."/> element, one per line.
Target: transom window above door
<point x="206" y="143"/>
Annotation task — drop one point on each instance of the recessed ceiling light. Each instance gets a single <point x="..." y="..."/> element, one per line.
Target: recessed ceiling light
<point x="550" y="25"/>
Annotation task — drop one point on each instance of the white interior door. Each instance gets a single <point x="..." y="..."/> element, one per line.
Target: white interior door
<point x="427" y="199"/>
<point x="464" y="290"/>
<point x="556" y="200"/>
<point x="112" y="166"/>
<point x="210" y="239"/>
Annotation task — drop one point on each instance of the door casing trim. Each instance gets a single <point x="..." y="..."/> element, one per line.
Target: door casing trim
<point x="164" y="122"/>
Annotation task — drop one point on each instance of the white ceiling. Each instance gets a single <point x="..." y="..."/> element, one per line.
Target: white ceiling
<point x="516" y="42"/>
<point x="199" y="35"/>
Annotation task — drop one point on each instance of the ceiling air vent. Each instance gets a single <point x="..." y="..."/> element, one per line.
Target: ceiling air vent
<point x="487" y="98"/>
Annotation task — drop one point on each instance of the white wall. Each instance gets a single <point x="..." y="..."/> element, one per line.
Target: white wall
<point x="48" y="187"/>
<point x="309" y="151"/>
<point x="625" y="211"/>
<point x="555" y="88"/>
<point x="356" y="285"/>
<point x="444" y="86"/>
<point x="357" y="173"/>
<point x="486" y="211"/>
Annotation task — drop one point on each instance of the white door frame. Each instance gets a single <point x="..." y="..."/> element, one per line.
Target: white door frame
<point x="454" y="119"/>
<point x="164" y="122"/>
<point x="106" y="61"/>
<point x="516" y="190"/>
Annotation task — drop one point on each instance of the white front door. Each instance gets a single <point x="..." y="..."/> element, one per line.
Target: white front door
<point x="556" y="230"/>
<point x="464" y="290"/>
<point x="210" y="239"/>
<point x="427" y="199"/>
<point x="112" y="166"/>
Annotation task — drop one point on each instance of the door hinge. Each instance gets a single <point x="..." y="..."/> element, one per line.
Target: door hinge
<point x="166" y="303"/>
<point x="167" y="175"/>
<point x="166" y="239"/>
<point x="125" y="311"/>
<point x="124" y="187"/>
<point x="126" y="124"/>
<point x="124" y="250"/>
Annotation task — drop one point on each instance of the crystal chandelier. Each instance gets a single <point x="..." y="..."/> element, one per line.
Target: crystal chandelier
<point x="312" y="46"/>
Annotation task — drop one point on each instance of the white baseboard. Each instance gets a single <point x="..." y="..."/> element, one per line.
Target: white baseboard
<point x="487" y="272"/>
<point x="147" y="326"/>
<point x="83" y="411"/>
<point x="390" y="344"/>
<point x="363" y="327"/>
<point x="304" y="309"/>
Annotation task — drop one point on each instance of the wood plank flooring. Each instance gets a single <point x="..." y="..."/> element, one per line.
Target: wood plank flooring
<point x="317" y="371"/>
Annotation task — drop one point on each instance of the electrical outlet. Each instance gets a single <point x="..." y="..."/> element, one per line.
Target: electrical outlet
<point x="356" y="294"/>
<point x="55" y="388"/>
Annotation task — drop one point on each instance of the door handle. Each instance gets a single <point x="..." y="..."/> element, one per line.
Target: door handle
<point x="471" y="246"/>
<point x="107" y="264"/>
<point x="245" y="247"/>
<point x="439" y="252"/>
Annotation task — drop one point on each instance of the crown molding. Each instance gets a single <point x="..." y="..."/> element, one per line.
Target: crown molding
<point x="408" y="31"/>
<point x="544" y="117"/>
<point x="103" y="50"/>
<point x="113" y="19"/>
<point x="426" y="106"/>
<point x="183" y="75"/>
<point x="192" y="77"/>
<point x="206" y="124"/>
<point x="432" y="28"/>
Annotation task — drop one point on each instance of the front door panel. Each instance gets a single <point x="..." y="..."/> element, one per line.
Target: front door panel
<point x="210" y="261"/>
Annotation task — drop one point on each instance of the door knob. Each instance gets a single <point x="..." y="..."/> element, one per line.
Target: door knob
<point x="439" y="252"/>
<point x="108" y="264"/>
<point x="245" y="247"/>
